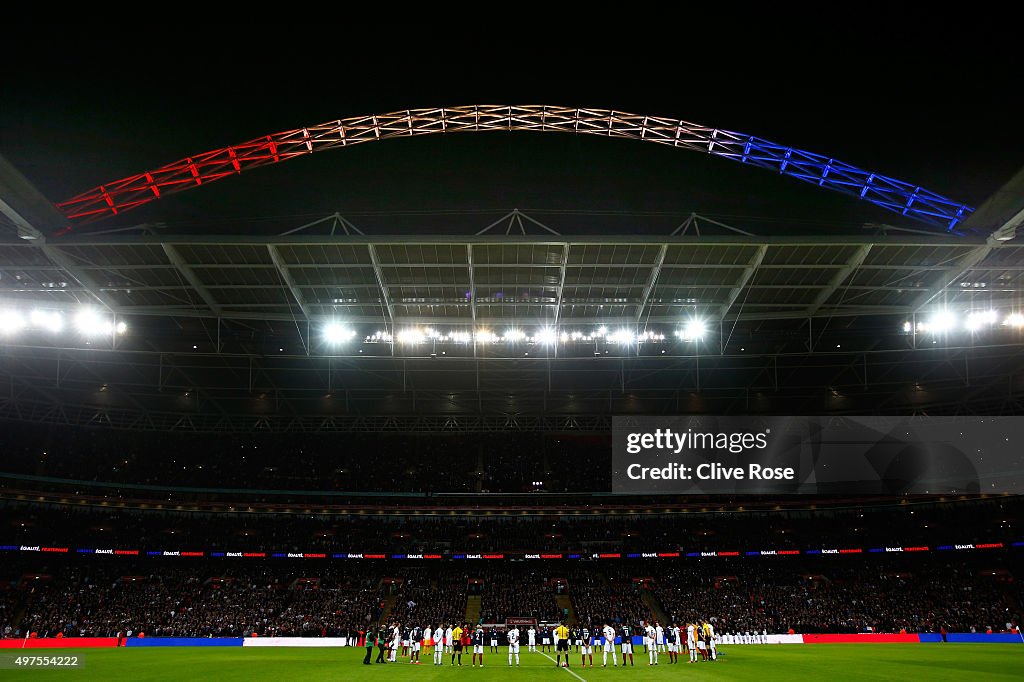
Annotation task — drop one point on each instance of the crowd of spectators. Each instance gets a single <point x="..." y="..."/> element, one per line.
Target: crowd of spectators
<point x="573" y="529"/>
<point x="432" y="596"/>
<point x="91" y="488"/>
<point x="328" y="463"/>
<point x="81" y="596"/>
<point x="105" y="599"/>
<point x="609" y="596"/>
<point x="870" y="595"/>
<point x="518" y="591"/>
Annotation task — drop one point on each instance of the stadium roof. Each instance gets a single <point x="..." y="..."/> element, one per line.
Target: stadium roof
<point x="226" y="331"/>
<point x="512" y="279"/>
<point x="517" y="323"/>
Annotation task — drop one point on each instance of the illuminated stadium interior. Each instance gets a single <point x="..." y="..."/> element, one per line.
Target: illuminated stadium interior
<point x="227" y="420"/>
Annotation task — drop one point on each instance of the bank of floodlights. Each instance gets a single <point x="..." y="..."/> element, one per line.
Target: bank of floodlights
<point x="948" y="322"/>
<point x="86" y="323"/>
<point x="547" y="336"/>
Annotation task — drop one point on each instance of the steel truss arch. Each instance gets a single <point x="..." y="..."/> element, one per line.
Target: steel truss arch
<point x="907" y="199"/>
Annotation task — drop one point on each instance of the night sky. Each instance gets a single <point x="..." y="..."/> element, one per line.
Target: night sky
<point x="935" y="102"/>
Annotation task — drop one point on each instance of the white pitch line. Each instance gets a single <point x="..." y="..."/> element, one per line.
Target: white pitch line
<point x="568" y="670"/>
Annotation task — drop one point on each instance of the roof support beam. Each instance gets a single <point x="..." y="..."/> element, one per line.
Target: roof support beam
<point x="63" y="262"/>
<point x="744" y="280"/>
<point x="384" y="295"/>
<point x="798" y="312"/>
<point x="70" y="267"/>
<point x="35" y="217"/>
<point x="837" y="280"/>
<point x="190" y="276"/>
<point x="651" y="281"/>
<point x="999" y="216"/>
<point x="286" y="277"/>
<point x="561" y="281"/>
<point x="952" y="274"/>
<point x="472" y="281"/>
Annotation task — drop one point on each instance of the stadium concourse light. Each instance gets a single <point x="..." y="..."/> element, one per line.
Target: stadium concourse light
<point x="338" y="333"/>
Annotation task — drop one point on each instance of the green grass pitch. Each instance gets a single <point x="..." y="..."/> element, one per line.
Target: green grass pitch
<point x="832" y="662"/>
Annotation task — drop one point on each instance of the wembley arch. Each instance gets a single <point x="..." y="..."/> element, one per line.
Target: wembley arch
<point x="905" y="198"/>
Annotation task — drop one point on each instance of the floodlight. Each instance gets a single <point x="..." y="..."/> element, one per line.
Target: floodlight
<point x="547" y="336"/>
<point x="338" y="333"/>
<point x="50" y="320"/>
<point x="979" y="319"/>
<point x="942" y="322"/>
<point x="11" y="321"/>
<point x="485" y="336"/>
<point x="410" y="336"/>
<point x="90" y="323"/>
<point x="623" y="336"/>
<point x="1014" y="320"/>
<point x="694" y="329"/>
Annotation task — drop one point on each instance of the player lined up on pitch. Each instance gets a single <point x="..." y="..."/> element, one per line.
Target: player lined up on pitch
<point x="697" y="641"/>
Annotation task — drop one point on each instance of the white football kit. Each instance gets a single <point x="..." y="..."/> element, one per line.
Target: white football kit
<point x="609" y="645"/>
<point x="513" y="645"/>
<point x="652" y="645"/>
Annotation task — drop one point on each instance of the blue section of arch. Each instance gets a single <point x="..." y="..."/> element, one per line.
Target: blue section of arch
<point x="891" y="194"/>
